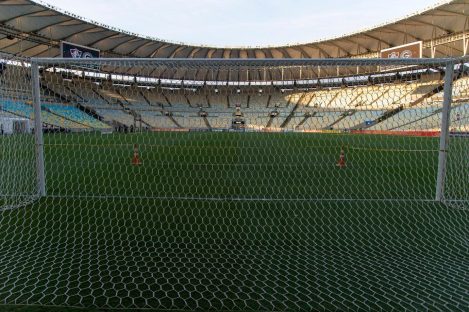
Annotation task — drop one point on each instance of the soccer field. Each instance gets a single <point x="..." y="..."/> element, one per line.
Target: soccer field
<point x="216" y="165"/>
<point x="240" y="221"/>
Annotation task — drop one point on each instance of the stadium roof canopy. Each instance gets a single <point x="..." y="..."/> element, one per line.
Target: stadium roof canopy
<point x="34" y="29"/>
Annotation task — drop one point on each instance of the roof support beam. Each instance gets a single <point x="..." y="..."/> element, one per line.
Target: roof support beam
<point x="14" y="43"/>
<point x="427" y="24"/>
<point x="451" y="12"/>
<point x="355" y="43"/>
<point x="321" y="50"/>
<point x="405" y="33"/>
<point x="145" y="44"/>
<point x="132" y="39"/>
<point x="53" y="24"/>
<point x="268" y="53"/>
<point x="114" y="35"/>
<point x="67" y="37"/>
<point x="209" y="53"/>
<point x="284" y="52"/>
<point x="154" y="53"/>
<point x="23" y="15"/>
<point x="337" y="46"/>
<point x="379" y="40"/>
<point x="35" y="47"/>
<point x="172" y="55"/>
<point x="193" y="52"/>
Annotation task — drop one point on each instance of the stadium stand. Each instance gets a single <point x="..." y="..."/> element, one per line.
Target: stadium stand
<point x="238" y="100"/>
<point x="220" y="120"/>
<point x="76" y="115"/>
<point x="87" y="93"/>
<point x="157" y="119"/>
<point x="258" y="101"/>
<point x="134" y="99"/>
<point x="113" y="115"/>
<point x="219" y="100"/>
<point x="199" y="100"/>
<point x="356" y="118"/>
<point x="332" y="108"/>
<point x="6" y="114"/>
<point x="111" y="94"/>
<point x="308" y="110"/>
<point x="432" y="119"/>
<point x="154" y="98"/>
<point x="321" y="120"/>
<point x="190" y="121"/>
<point x="25" y="110"/>
<point x="404" y="118"/>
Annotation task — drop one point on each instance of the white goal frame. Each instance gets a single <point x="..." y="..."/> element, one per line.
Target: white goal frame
<point x="448" y="63"/>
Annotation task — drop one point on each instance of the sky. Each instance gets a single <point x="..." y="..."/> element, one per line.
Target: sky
<point x="225" y="23"/>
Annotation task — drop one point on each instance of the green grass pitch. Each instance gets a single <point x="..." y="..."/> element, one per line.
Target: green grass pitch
<point x="239" y="221"/>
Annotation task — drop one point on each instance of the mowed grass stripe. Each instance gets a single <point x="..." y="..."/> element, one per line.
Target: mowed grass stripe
<point x="252" y="165"/>
<point x="282" y="254"/>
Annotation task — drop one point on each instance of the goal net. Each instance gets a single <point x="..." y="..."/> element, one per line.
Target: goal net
<point x="196" y="127"/>
<point x="18" y="182"/>
<point x="235" y="184"/>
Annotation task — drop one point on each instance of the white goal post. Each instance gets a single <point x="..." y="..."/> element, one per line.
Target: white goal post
<point x="147" y="67"/>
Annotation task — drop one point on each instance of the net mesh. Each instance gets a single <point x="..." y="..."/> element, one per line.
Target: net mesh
<point x="17" y="149"/>
<point x="263" y="185"/>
